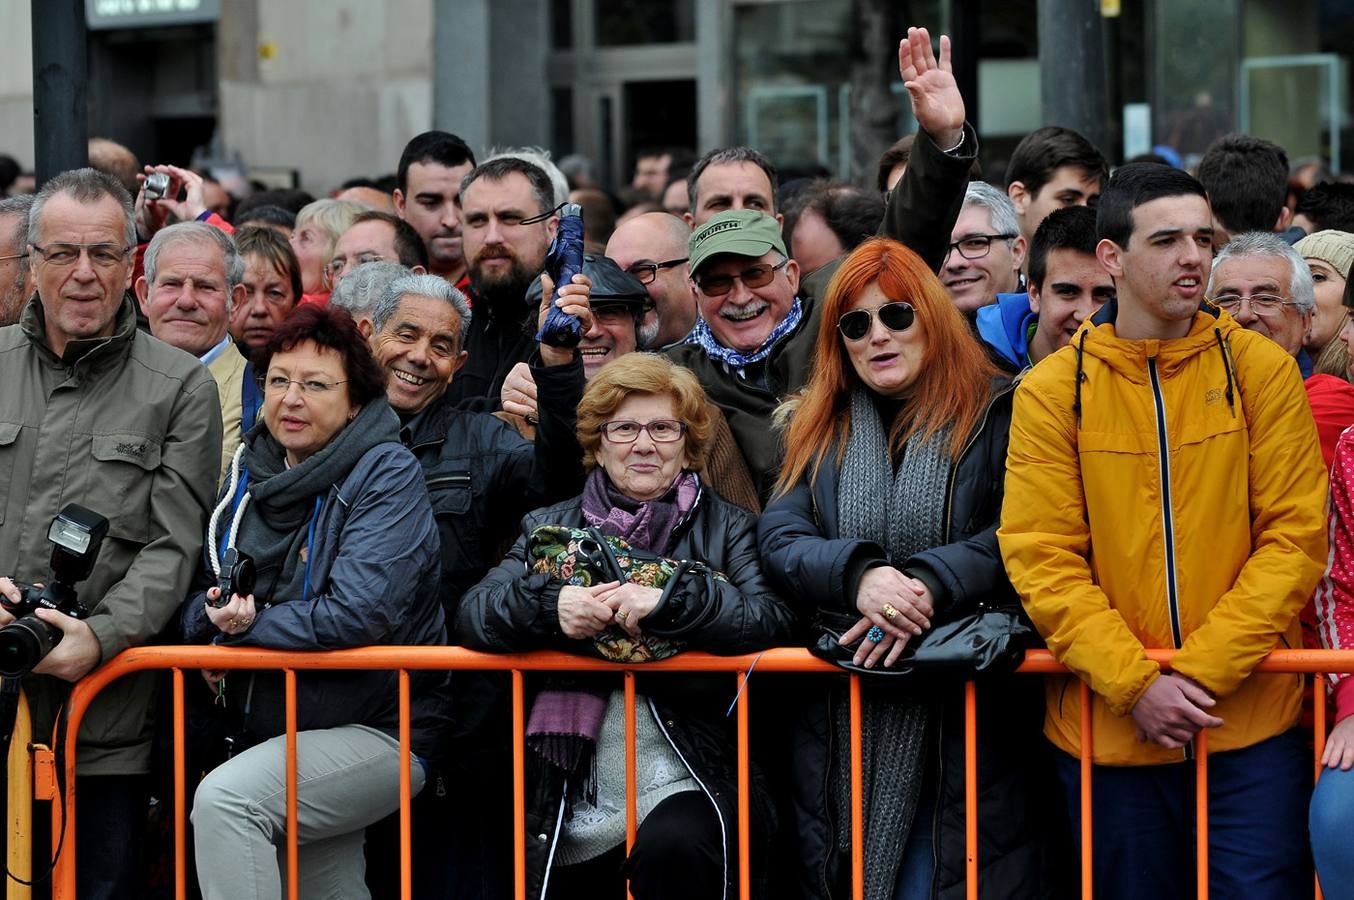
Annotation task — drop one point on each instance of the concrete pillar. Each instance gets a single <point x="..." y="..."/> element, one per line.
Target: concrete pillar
<point x="1072" y="87"/>
<point x="60" y="130"/>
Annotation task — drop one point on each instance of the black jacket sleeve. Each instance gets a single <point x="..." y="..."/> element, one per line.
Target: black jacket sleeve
<point x="811" y="569"/>
<point x="511" y="609"/>
<point x="742" y="614"/>
<point x="558" y="468"/>
<point x="927" y="200"/>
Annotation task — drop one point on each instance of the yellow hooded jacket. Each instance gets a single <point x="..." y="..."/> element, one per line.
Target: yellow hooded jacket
<point x="1211" y="547"/>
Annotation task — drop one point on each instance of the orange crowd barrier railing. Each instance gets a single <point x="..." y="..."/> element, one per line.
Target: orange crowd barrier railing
<point x="406" y="659"/>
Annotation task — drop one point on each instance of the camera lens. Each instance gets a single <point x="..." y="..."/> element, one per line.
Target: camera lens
<point x="23" y="644"/>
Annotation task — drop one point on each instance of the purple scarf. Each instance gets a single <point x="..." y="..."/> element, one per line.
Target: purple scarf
<point x="565" y="720"/>
<point x="647" y="524"/>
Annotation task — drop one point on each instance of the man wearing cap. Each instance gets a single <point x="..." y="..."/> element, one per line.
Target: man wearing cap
<point x="619" y="303"/>
<point x="758" y="324"/>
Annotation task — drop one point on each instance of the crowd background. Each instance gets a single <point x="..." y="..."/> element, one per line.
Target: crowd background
<point x="381" y="392"/>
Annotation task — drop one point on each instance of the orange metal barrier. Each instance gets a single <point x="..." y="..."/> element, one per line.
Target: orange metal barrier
<point x="406" y="659"/>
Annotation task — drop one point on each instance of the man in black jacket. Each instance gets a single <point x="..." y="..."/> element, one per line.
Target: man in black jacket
<point x="507" y="206"/>
<point x="482" y="477"/>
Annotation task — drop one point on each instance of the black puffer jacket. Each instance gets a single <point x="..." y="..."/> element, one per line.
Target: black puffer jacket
<point x="815" y="568"/>
<point x="512" y="611"/>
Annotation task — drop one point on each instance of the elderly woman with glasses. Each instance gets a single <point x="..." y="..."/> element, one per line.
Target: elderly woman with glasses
<point x="884" y="524"/>
<point x="330" y="511"/>
<point x="647" y="561"/>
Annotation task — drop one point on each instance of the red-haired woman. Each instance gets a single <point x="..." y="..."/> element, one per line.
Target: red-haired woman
<point x="884" y="523"/>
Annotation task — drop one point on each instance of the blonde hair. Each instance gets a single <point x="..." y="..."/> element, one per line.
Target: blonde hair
<point x="332" y="218"/>
<point x="638" y="374"/>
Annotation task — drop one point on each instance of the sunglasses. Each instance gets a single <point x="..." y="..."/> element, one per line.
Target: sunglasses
<point x="856" y="324"/>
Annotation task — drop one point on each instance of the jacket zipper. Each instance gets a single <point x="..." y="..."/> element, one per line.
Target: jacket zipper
<point x="723" y="832"/>
<point x="1167" y="520"/>
<point x="554" y="841"/>
<point x="447" y="480"/>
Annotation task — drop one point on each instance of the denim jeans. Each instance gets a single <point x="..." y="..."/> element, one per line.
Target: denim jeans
<point x="1331" y="820"/>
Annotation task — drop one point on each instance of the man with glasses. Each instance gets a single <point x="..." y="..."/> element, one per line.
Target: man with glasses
<point x="97" y="413"/>
<point x="16" y="278"/>
<point x="652" y="247"/>
<point x="1263" y="283"/>
<point x="986" y="250"/>
<point x="376" y="237"/>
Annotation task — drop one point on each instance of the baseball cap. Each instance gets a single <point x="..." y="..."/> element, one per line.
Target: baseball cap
<point x="745" y="232"/>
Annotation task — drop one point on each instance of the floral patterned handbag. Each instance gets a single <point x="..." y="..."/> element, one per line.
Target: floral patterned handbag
<point x="585" y="557"/>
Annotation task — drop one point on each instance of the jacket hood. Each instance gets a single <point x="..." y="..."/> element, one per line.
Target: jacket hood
<point x="1005" y="327"/>
<point x="1210" y="330"/>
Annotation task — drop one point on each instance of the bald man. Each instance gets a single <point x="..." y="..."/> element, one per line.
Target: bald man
<point x="370" y="197"/>
<point x="652" y="247"/>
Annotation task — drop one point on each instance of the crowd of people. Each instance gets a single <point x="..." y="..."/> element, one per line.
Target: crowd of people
<point x="1115" y="406"/>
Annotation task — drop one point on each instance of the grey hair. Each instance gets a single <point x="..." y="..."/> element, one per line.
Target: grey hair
<point x="198" y="233"/>
<point x="1265" y="243"/>
<point x="732" y="155"/>
<point x="999" y="207"/>
<point x="540" y="158"/>
<point x="432" y="286"/>
<point x="85" y="186"/>
<point x="18" y="207"/>
<point x="363" y="286"/>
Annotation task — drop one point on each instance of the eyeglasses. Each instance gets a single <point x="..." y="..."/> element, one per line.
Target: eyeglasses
<point x="976" y="246"/>
<point x="624" y="431"/>
<point x="856" y="324"/>
<point x="13" y="256"/>
<point x="615" y="313"/>
<point x="277" y="384"/>
<point x="102" y="255"/>
<point x="1261" y="304"/>
<point x="756" y="276"/>
<point x="647" y="272"/>
<point x="339" y="264"/>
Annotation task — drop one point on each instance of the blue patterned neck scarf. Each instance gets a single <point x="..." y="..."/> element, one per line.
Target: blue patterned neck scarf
<point x="702" y="336"/>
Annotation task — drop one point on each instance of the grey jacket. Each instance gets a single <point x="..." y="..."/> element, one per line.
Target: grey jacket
<point x="130" y="428"/>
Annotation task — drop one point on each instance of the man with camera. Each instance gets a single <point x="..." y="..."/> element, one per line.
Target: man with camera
<point x="98" y="414"/>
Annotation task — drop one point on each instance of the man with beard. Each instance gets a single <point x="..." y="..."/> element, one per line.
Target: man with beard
<point x="16" y="280"/>
<point x="427" y="196"/>
<point x="508" y="224"/>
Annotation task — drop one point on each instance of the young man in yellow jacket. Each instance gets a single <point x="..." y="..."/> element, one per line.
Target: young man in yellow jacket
<point x="1165" y="489"/>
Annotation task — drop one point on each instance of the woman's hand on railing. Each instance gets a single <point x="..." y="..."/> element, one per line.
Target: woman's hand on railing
<point x="582" y="614"/>
<point x="236" y="617"/>
<point x="1339" y="753"/>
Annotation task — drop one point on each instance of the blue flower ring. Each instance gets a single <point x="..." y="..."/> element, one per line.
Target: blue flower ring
<point x="875" y="634"/>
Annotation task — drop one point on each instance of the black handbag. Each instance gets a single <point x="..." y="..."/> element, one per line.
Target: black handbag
<point x="992" y="640"/>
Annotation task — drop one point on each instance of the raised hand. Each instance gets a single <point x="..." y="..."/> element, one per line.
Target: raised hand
<point x="936" y="101"/>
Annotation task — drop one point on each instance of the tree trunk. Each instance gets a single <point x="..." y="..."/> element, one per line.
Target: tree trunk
<point x="873" y="107"/>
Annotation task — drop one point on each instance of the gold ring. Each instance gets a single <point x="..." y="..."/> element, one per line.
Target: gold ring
<point x="889" y="612"/>
<point x="234" y="623"/>
<point x="246" y="622"/>
<point x="622" y="615"/>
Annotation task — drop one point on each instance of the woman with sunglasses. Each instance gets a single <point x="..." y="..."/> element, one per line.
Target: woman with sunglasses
<point x="884" y="524"/>
<point x="645" y="428"/>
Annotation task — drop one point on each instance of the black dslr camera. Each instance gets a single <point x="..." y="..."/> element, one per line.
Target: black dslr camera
<point x="76" y="535"/>
<point x="237" y="576"/>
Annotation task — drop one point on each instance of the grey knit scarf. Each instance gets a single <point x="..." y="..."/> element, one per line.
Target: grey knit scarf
<point x="909" y="519"/>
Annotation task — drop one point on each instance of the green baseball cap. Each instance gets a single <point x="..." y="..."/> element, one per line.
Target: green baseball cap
<point x="745" y="232"/>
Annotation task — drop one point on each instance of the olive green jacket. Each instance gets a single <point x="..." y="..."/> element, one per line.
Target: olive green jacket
<point x="130" y="428"/>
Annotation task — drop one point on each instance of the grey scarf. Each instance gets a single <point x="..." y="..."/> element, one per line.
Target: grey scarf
<point x="282" y="499"/>
<point x="893" y="728"/>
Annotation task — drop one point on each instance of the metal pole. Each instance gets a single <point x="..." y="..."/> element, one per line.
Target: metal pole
<point x="1071" y="68"/>
<point x="965" y="36"/>
<point x="60" y="118"/>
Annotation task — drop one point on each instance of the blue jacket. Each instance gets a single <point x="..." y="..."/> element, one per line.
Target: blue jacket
<point x="374" y="578"/>
<point x="1004" y="327"/>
